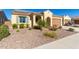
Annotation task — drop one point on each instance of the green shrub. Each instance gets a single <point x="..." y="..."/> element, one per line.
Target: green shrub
<point x="21" y="26"/>
<point x="4" y="32"/>
<point x="41" y="23"/>
<point x="53" y="28"/>
<point x="50" y="34"/>
<point x="47" y="24"/>
<point x="0" y="24"/>
<point x="37" y="27"/>
<point x="71" y="29"/>
<point x="15" y="26"/>
<point x="18" y="30"/>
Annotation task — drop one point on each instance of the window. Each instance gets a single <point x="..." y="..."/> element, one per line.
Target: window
<point x="22" y="19"/>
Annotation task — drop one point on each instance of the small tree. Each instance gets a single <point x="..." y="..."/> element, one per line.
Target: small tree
<point x="41" y="23"/>
<point x="47" y="24"/>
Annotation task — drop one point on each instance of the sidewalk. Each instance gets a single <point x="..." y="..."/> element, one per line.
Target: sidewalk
<point x="70" y="42"/>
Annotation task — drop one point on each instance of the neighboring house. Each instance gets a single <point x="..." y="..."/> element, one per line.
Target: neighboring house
<point x="3" y="17"/>
<point x="75" y="20"/>
<point x="31" y="18"/>
<point x="66" y="19"/>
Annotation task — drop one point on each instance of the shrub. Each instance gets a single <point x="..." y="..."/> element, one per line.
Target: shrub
<point x="51" y="34"/>
<point x="37" y="27"/>
<point x="41" y="23"/>
<point x="18" y="30"/>
<point x="53" y="28"/>
<point x="4" y="32"/>
<point x="71" y="29"/>
<point x="15" y="26"/>
<point x="0" y="24"/>
<point x="21" y="26"/>
<point x="47" y="24"/>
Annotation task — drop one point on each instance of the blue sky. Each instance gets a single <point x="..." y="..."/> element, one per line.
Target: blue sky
<point x="60" y="12"/>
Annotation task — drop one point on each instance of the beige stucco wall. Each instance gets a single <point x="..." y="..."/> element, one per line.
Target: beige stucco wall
<point x="29" y="22"/>
<point x="48" y="14"/>
<point x="66" y="19"/>
<point x="34" y="20"/>
<point x="13" y="19"/>
<point x="16" y="17"/>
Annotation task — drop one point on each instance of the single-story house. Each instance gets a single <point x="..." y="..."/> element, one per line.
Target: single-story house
<point x="75" y="21"/>
<point x="31" y="18"/>
<point x="3" y="17"/>
<point x="66" y="19"/>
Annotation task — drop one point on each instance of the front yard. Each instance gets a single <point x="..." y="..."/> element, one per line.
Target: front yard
<point x="25" y="38"/>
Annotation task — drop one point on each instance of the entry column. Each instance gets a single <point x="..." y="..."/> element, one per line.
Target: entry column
<point x="34" y="20"/>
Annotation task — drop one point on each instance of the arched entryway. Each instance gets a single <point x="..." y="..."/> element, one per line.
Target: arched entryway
<point x="48" y="20"/>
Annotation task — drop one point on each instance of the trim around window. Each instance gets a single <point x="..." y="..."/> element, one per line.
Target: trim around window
<point x="22" y="19"/>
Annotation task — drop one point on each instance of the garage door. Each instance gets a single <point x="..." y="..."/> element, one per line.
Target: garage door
<point x="76" y="21"/>
<point x="56" y="22"/>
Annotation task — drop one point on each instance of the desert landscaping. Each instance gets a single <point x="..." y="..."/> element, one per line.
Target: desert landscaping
<point x="26" y="30"/>
<point x="26" y="38"/>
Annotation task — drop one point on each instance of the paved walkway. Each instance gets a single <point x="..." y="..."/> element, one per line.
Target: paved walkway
<point x="70" y="42"/>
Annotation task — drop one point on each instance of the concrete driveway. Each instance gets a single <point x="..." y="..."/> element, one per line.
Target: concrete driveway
<point x="76" y="29"/>
<point x="70" y="42"/>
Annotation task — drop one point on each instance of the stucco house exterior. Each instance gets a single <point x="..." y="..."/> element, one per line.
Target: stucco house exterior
<point x="31" y="18"/>
<point x="66" y="19"/>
